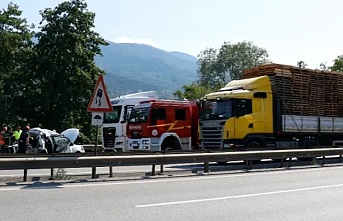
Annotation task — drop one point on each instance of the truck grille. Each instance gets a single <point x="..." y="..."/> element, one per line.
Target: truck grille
<point x="136" y="134"/>
<point x="109" y="142"/>
<point x="109" y="136"/>
<point x="211" y="137"/>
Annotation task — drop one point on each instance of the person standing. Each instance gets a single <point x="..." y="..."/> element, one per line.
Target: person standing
<point x="2" y="140"/>
<point x="7" y="136"/>
<point x="17" y="133"/>
<point x="24" y="140"/>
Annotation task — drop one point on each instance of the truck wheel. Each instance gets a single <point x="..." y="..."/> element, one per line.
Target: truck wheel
<point x="170" y="144"/>
<point x="168" y="148"/>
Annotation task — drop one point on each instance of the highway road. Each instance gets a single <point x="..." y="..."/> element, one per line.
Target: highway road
<point x="295" y="194"/>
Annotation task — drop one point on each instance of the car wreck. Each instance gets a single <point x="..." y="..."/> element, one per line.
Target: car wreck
<point x="48" y="141"/>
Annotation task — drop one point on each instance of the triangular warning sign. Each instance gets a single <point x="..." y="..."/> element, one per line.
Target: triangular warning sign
<point x="100" y="101"/>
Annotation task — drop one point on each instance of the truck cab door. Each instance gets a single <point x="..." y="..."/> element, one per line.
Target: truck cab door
<point x="243" y="118"/>
<point x="126" y="114"/>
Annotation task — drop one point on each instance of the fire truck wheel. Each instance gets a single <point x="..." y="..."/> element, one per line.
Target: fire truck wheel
<point x="170" y="144"/>
<point x="168" y="148"/>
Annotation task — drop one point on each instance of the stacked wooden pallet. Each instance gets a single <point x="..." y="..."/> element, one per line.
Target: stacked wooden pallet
<point x="304" y="91"/>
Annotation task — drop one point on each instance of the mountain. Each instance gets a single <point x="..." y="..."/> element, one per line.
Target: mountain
<point x="133" y="67"/>
<point x="183" y="56"/>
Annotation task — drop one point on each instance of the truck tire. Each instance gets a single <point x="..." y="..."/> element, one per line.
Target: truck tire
<point x="170" y="144"/>
<point x="168" y="148"/>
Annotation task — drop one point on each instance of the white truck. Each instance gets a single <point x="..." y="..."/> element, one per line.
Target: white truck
<point x="114" y="125"/>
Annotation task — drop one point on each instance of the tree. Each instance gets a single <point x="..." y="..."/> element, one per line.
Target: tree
<point x="207" y="68"/>
<point x="15" y="59"/>
<point x="233" y="59"/>
<point x="338" y="64"/>
<point x="218" y="67"/>
<point x="192" y="91"/>
<point x="65" y="71"/>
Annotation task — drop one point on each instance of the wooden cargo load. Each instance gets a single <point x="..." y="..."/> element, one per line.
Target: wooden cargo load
<point x="303" y="91"/>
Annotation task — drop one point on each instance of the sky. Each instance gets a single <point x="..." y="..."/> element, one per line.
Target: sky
<point x="290" y="30"/>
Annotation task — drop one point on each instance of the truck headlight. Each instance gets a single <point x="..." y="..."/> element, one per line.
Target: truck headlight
<point x="145" y="142"/>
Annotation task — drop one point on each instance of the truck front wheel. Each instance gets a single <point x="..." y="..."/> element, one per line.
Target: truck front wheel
<point x="171" y="143"/>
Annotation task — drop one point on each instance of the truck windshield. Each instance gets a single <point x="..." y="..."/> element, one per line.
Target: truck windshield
<point x="114" y="116"/>
<point x="216" y="109"/>
<point x="139" y="115"/>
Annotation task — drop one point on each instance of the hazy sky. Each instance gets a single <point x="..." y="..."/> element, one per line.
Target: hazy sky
<point x="290" y="30"/>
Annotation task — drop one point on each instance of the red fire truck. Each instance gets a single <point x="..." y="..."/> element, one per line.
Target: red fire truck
<point x="162" y="125"/>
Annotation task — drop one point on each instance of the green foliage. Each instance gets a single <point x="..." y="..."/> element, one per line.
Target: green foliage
<point x="49" y="83"/>
<point x="15" y="60"/>
<point x="208" y="69"/>
<point x="192" y="92"/>
<point x="60" y="174"/>
<point x="338" y="64"/>
<point x="66" y="72"/>
<point x="217" y="67"/>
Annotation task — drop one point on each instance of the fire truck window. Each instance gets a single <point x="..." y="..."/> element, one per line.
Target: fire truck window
<point x="180" y="114"/>
<point x="161" y="114"/>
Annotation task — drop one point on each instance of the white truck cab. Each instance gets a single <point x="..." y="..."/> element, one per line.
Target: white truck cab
<point x="114" y="125"/>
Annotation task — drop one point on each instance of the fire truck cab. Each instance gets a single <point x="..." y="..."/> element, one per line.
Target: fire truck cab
<point x="163" y="125"/>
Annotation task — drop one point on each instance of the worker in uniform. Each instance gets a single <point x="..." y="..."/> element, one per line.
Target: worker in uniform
<point x="17" y="133"/>
<point x="24" y="140"/>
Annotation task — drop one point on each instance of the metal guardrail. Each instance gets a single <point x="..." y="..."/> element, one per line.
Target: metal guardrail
<point x="160" y="159"/>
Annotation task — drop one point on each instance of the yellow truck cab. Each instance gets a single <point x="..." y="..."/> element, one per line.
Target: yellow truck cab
<point x="238" y="115"/>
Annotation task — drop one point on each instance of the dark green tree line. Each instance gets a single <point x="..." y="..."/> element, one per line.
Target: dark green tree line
<point x="49" y="82"/>
<point x="16" y="53"/>
<point x="66" y="71"/>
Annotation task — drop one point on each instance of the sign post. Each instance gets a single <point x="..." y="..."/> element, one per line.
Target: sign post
<point x="98" y="105"/>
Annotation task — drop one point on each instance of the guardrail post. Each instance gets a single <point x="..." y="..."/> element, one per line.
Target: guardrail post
<point x="25" y="175"/>
<point x="206" y="167"/>
<point x="290" y="162"/>
<point x="51" y="173"/>
<point x="93" y="172"/>
<point x="94" y="176"/>
<point x="111" y="171"/>
<point x="281" y="162"/>
<point x="340" y="158"/>
<point x="247" y="164"/>
<point x="161" y="169"/>
<point x="153" y="170"/>
<point x="323" y="160"/>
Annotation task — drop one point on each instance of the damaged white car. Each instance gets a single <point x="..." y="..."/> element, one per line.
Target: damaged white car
<point x="48" y="141"/>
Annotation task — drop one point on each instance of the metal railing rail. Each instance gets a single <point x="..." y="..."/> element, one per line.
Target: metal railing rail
<point x="161" y="159"/>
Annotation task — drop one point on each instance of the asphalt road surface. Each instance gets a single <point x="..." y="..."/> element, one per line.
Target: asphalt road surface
<point x="296" y="194"/>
